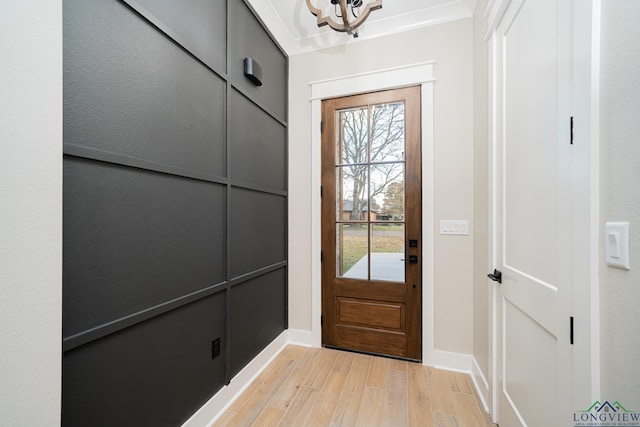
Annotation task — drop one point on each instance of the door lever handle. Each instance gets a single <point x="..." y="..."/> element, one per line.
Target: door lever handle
<point x="413" y="259"/>
<point x="496" y="276"/>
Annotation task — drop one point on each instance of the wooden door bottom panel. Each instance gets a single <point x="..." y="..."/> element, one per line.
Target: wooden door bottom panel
<point x="371" y="341"/>
<point x="372" y="314"/>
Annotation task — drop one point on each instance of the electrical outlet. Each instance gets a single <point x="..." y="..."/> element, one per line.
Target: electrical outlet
<point x="215" y="348"/>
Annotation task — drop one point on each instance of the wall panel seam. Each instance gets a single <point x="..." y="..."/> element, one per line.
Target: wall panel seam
<point x="138" y="163"/>
<point x="95" y="154"/>
<point x="257" y="273"/>
<point x="258" y="104"/>
<point x="101" y="331"/>
<point x="167" y="32"/>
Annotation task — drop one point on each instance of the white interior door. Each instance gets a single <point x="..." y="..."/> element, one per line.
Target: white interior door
<point x="533" y="212"/>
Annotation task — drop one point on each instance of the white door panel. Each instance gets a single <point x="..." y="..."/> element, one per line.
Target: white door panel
<point x="532" y="194"/>
<point x="530" y="374"/>
<point x="533" y="298"/>
<point x="530" y="123"/>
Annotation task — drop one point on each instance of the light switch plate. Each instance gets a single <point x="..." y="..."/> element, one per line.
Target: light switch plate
<point x="458" y="227"/>
<point x="616" y="242"/>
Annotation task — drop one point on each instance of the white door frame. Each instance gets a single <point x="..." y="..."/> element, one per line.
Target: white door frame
<point x="585" y="200"/>
<point x="416" y="74"/>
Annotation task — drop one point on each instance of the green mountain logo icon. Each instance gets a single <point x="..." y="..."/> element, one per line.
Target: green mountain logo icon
<point x="595" y="405"/>
<point x="615" y="406"/>
<point x="619" y="406"/>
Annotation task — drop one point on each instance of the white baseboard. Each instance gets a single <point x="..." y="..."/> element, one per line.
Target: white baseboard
<point x="215" y="407"/>
<point x="448" y="361"/>
<point x="481" y="384"/>
<point x="302" y="338"/>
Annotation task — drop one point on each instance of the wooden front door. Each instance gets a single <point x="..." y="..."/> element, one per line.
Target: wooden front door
<point x="371" y="229"/>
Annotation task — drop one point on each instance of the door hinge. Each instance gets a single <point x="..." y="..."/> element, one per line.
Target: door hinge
<point x="321" y="257"/>
<point x="321" y="320"/>
<point x="571" y="330"/>
<point x="321" y="126"/>
<point x="571" y="130"/>
<point x="321" y="188"/>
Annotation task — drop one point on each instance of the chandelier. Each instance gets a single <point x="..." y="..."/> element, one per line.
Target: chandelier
<point x="349" y="13"/>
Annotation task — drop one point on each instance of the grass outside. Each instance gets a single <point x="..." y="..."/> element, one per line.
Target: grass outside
<point x="355" y="247"/>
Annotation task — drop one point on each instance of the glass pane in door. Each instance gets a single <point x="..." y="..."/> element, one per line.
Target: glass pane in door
<point x="370" y="186"/>
<point x="352" y="251"/>
<point x="386" y="188"/>
<point x="387" y="132"/>
<point x="353" y="136"/>
<point x="352" y="203"/>
<point x="387" y="252"/>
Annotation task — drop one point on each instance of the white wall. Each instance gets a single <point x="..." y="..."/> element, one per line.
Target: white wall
<point x="620" y="199"/>
<point x="450" y="46"/>
<point x="30" y="212"/>
<point x="481" y="198"/>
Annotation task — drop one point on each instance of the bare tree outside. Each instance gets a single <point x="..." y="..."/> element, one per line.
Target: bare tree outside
<point x="394" y="200"/>
<point x="373" y="135"/>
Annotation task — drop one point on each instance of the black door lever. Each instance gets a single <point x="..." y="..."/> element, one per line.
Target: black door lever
<point x="496" y="276"/>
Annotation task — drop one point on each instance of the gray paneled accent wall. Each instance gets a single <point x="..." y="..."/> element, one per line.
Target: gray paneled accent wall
<point x="175" y="205"/>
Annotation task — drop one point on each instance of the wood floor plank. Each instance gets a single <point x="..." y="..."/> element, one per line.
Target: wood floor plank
<point x="320" y="371"/>
<point x="297" y="352"/>
<point x="343" y="362"/>
<point x="299" y="410"/>
<point x="419" y="399"/>
<point x="290" y="387"/>
<point x="462" y="383"/>
<point x="258" y="401"/>
<point x="378" y="373"/>
<point x="398" y="365"/>
<point x="346" y="412"/>
<point x="440" y="384"/>
<point x="225" y="419"/>
<point x="325" y="406"/>
<point x="444" y="420"/>
<point x="396" y="411"/>
<point x="371" y="407"/>
<point x="469" y="413"/>
<point x="269" y="417"/>
<point x="282" y="357"/>
<point x="242" y="400"/>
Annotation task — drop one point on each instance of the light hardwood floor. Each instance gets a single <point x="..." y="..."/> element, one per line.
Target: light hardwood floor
<point x="322" y="387"/>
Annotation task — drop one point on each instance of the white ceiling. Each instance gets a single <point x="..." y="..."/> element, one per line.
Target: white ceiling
<point x="297" y="31"/>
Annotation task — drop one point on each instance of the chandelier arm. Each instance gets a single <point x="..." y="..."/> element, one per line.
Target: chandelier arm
<point x="365" y="13"/>
<point x="322" y="20"/>
<point x="345" y="14"/>
<point x="313" y="9"/>
<point x="345" y="26"/>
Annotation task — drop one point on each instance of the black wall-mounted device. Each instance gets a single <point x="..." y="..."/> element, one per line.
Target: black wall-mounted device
<point x="253" y="71"/>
